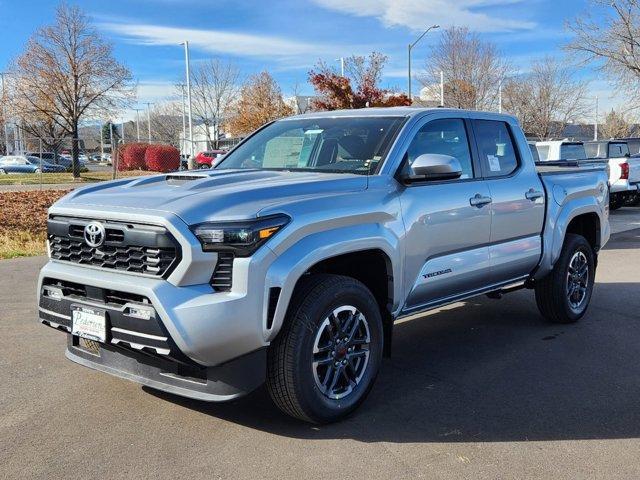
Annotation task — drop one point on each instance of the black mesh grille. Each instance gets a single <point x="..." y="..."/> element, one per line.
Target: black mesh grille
<point x="130" y="247"/>
<point x="223" y="273"/>
<point x="129" y="258"/>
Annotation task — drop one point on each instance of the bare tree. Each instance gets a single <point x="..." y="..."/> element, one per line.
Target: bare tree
<point x="617" y="124"/>
<point x="609" y="36"/>
<point x="260" y="102"/>
<point x="166" y="123"/>
<point x="546" y="99"/>
<point x="473" y="69"/>
<point x="68" y="73"/>
<point x="214" y="88"/>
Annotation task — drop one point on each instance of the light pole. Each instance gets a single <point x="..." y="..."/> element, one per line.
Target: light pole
<point x="595" y="124"/>
<point x="4" y="115"/>
<point x="137" y="124"/>
<point x="411" y="45"/>
<point x="188" y="75"/>
<point x="149" y="119"/>
<point x="184" y="120"/>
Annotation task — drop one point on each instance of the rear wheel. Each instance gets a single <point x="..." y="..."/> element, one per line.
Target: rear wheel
<point x="563" y="296"/>
<point x="323" y="363"/>
<point x="634" y="200"/>
<point x="3" y="171"/>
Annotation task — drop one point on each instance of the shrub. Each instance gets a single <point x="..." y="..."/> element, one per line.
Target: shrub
<point x="162" y="158"/>
<point x="131" y="156"/>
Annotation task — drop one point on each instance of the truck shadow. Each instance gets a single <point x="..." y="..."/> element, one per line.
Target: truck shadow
<point x="490" y="371"/>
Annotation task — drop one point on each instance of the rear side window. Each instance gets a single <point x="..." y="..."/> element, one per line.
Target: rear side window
<point x="534" y="153"/>
<point x="617" y="150"/>
<point x="497" y="153"/>
<point x="447" y="136"/>
<point x="572" y="151"/>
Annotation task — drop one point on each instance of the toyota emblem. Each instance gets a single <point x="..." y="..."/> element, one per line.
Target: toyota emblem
<point x="94" y="234"/>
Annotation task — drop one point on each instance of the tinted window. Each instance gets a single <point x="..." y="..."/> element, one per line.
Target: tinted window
<point x="617" y="150"/>
<point x="572" y="151"/>
<point x="444" y="137"/>
<point x="497" y="152"/>
<point x="534" y="153"/>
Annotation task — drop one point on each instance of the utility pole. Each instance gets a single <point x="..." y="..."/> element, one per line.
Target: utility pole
<point x="188" y="75"/>
<point x="595" y="124"/>
<point x="441" y="88"/>
<point x="122" y="128"/>
<point x="149" y="119"/>
<point x="341" y="60"/>
<point x="500" y="96"/>
<point x="411" y="45"/>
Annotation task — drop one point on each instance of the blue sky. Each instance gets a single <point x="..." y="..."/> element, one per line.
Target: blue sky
<point x="287" y="37"/>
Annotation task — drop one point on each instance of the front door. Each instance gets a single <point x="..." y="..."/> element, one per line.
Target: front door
<point x="448" y="222"/>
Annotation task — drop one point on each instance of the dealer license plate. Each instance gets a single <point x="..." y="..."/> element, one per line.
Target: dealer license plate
<point x="90" y="323"/>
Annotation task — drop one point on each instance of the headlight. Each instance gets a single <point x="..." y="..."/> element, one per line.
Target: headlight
<point x="242" y="238"/>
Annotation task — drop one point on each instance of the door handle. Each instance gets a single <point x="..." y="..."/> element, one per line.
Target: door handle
<point x="479" y="201"/>
<point x="533" y="195"/>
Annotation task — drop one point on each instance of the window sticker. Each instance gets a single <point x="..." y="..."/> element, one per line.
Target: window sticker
<point x="494" y="163"/>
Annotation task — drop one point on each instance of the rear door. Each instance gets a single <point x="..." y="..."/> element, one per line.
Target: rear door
<point x="518" y="201"/>
<point x="447" y="222"/>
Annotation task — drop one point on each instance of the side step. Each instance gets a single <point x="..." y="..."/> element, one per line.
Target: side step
<point x="498" y="294"/>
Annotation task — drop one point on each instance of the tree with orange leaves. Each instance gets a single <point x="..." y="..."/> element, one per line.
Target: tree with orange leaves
<point x="359" y="88"/>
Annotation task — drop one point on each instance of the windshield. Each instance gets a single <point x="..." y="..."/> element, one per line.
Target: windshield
<point x="572" y="151"/>
<point x="343" y="145"/>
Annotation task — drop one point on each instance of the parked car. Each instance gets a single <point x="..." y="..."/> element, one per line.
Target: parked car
<point x="290" y="265"/>
<point x="209" y="158"/>
<point x="26" y="164"/>
<point x="624" y="170"/>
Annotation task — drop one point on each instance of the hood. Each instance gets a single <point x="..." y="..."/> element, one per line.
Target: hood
<point x="213" y="195"/>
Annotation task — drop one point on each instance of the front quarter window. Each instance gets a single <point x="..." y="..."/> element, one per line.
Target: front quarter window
<point x="339" y="144"/>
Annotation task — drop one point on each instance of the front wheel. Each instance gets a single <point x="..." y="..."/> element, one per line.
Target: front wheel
<point x="564" y="294"/>
<point x="325" y="359"/>
<point x="3" y="171"/>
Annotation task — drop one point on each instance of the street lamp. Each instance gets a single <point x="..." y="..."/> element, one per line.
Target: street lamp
<point x="4" y="114"/>
<point x="138" y="123"/>
<point x="188" y="75"/>
<point x="411" y="45"/>
<point x="149" y="119"/>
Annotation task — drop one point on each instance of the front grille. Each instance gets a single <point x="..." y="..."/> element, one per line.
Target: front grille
<point x="141" y="249"/>
<point x="223" y="274"/>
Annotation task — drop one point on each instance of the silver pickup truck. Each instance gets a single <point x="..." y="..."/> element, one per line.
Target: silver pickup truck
<point x="291" y="260"/>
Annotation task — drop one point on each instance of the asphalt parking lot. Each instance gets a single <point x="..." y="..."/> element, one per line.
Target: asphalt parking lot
<point x="480" y="389"/>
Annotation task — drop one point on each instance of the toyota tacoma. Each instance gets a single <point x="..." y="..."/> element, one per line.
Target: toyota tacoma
<point x="290" y="261"/>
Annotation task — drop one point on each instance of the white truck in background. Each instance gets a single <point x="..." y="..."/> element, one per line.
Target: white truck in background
<point x="624" y="170"/>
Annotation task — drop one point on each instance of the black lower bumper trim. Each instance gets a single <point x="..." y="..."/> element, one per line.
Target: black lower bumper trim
<point x="225" y="382"/>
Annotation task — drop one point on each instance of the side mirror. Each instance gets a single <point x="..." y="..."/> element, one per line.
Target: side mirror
<point x="433" y="166"/>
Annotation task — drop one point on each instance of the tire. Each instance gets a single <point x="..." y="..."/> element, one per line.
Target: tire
<point x="615" y="202"/>
<point x="36" y="171"/>
<point x="553" y="291"/>
<point x="633" y="200"/>
<point x="296" y="374"/>
<point x="3" y="171"/>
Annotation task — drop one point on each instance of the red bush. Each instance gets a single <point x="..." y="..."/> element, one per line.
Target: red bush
<point x="162" y="158"/>
<point x="132" y="156"/>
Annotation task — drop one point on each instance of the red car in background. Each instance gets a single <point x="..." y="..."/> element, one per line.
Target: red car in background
<point x="210" y="158"/>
